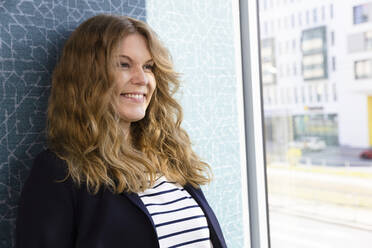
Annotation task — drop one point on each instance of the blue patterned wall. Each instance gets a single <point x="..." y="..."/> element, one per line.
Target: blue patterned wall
<point x="200" y="35"/>
<point x="32" y="34"/>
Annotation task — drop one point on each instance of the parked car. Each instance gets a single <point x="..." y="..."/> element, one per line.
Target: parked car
<point x="366" y="154"/>
<point x="310" y="143"/>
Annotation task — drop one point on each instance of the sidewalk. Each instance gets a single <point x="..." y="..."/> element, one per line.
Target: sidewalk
<point x="336" y="195"/>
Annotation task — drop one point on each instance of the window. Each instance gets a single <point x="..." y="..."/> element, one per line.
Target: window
<point x="265" y="28"/>
<point x="299" y="19"/>
<point x="332" y="38"/>
<point x="315" y="15"/>
<point x="368" y="40"/>
<point x="333" y="63"/>
<point x="307" y="17"/>
<point x="287" y="46"/>
<point x="334" y="92"/>
<point x="310" y="93"/>
<point x="325" y="87"/>
<point x="363" y="69"/>
<point x="295" y="94"/>
<point x="285" y="22"/>
<point x="268" y="66"/>
<point x="323" y="13"/>
<point x="292" y="20"/>
<point x="282" y="97"/>
<point x="331" y="11"/>
<point x="362" y="13"/>
<point x="314" y="53"/>
<point x="303" y="96"/>
<point x="319" y="92"/>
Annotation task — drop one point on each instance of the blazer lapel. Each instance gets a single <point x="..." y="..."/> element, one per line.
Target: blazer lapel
<point x="135" y="199"/>
<point x="216" y="231"/>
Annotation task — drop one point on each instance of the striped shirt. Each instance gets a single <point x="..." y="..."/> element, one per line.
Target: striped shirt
<point x="178" y="219"/>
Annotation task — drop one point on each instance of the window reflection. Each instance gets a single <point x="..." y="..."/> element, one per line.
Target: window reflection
<point x="316" y="77"/>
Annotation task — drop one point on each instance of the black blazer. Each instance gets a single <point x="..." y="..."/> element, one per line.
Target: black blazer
<point x="61" y="215"/>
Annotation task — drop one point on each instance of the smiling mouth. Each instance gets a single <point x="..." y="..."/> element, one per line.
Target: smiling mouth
<point x="138" y="97"/>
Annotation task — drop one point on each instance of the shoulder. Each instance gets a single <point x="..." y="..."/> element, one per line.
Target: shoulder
<point x="48" y="165"/>
<point x="47" y="205"/>
<point x="47" y="176"/>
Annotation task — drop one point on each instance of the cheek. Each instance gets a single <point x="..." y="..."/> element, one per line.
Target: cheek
<point x="120" y="79"/>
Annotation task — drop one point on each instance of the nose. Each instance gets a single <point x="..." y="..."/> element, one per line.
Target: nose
<point x="139" y="76"/>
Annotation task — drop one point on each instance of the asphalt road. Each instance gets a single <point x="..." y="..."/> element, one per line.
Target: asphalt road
<point x="290" y="231"/>
<point x="336" y="156"/>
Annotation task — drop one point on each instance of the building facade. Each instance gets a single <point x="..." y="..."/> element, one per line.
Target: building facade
<point x="316" y="71"/>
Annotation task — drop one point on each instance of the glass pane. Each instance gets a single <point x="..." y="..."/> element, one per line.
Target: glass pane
<point x="316" y="77"/>
<point x="203" y="50"/>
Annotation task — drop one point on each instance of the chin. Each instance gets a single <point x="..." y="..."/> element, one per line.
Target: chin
<point x="133" y="118"/>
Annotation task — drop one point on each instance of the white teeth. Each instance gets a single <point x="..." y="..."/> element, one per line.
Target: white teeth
<point x="137" y="96"/>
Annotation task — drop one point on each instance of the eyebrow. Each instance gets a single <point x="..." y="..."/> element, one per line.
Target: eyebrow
<point x="130" y="59"/>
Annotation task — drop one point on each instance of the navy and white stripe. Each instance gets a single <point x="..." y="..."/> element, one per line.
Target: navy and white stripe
<point x="178" y="219"/>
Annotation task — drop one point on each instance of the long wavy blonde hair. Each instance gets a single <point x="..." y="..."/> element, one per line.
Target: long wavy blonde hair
<point x="84" y="129"/>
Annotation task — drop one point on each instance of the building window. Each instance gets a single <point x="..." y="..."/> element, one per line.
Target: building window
<point x="294" y="69"/>
<point x="319" y="92"/>
<point x="325" y="92"/>
<point x="314" y="53"/>
<point x="282" y="97"/>
<point x="368" y="40"/>
<point x="299" y="19"/>
<point x="275" y="95"/>
<point x="295" y="95"/>
<point x="362" y="13"/>
<point x="286" y="22"/>
<point x="334" y="92"/>
<point x="310" y="93"/>
<point x="303" y="96"/>
<point x="287" y="46"/>
<point x="331" y="11"/>
<point x="332" y="38"/>
<point x="292" y="21"/>
<point x="307" y="17"/>
<point x="323" y="13"/>
<point x="294" y="45"/>
<point x="265" y="28"/>
<point x="289" y="96"/>
<point x="268" y="61"/>
<point x="333" y="63"/>
<point x="363" y="69"/>
<point x="315" y="16"/>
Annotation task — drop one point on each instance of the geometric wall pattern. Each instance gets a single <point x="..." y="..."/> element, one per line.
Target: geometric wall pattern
<point x="32" y="34"/>
<point x="200" y="35"/>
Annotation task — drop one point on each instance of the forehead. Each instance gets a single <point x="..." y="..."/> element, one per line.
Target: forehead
<point x="134" y="46"/>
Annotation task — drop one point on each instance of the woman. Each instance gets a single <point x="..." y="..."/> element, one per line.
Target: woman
<point x="119" y="171"/>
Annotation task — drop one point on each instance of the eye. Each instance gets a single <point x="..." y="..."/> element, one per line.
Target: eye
<point x="124" y="65"/>
<point x="148" y="67"/>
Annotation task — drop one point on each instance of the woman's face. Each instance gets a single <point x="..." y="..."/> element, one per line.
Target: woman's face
<point x="134" y="78"/>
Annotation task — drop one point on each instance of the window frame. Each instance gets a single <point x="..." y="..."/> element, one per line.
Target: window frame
<point x="253" y="124"/>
